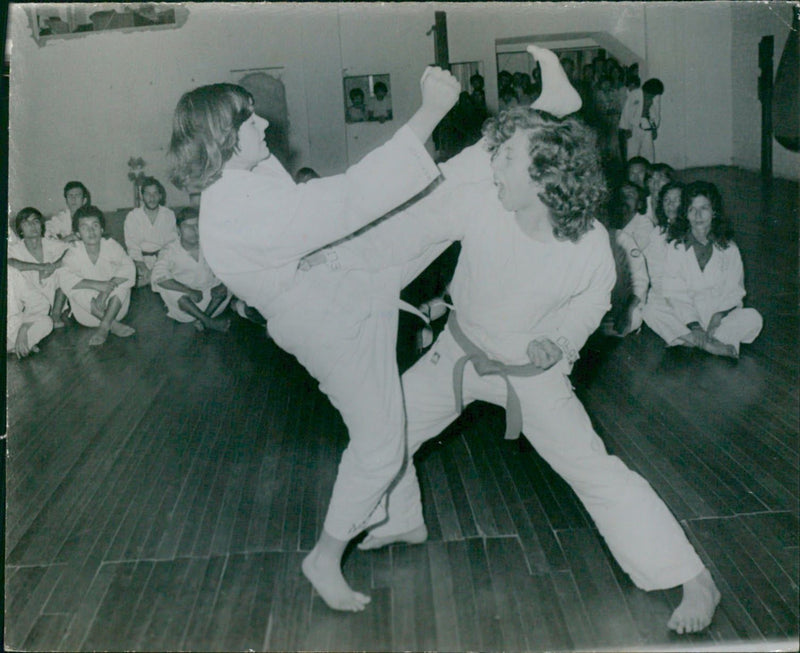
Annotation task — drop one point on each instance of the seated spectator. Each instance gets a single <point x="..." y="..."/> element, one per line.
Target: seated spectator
<point x="59" y="226"/>
<point x="187" y="285"/>
<point x="38" y="259"/>
<point x="659" y="174"/>
<point x="638" y="226"/>
<point x="636" y="171"/>
<point x="148" y="228"/>
<point x="630" y="290"/>
<point x="97" y="277"/>
<point x="27" y="320"/>
<point x="704" y="277"/>
<point x="657" y="311"/>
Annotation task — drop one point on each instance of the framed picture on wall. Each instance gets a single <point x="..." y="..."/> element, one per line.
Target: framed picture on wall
<point x="367" y="98"/>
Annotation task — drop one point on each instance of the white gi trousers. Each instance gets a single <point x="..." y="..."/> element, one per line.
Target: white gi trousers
<point x="642" y="534"/>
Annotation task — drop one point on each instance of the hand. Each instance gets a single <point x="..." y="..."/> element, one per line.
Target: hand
<point x="219" y="291"/>
<point x="434" y="309"/>
<point x="46" y="271"/>
<point x="544" y="353"/>
<point x="196" y="296"/>
<point x="440" y="90"/>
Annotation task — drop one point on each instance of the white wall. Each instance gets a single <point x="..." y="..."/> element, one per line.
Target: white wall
<point x="752" y="21"/>
<point x="80" y="107"/>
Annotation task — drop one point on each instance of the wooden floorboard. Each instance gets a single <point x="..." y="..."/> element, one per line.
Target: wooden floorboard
<point x="166" y="498"/>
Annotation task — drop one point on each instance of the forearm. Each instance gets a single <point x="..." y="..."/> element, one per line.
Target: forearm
<point x="172" y="284"/>
<point x="27" y="266"/>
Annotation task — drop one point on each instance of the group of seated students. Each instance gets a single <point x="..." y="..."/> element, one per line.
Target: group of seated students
<point x="678" y="269"/>
<point x="66" y="262"/>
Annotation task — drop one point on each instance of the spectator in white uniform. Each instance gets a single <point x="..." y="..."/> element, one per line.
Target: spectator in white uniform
<point x="148" y="228"/>
<point x="28" y="318"/>
<point x="59" y="226"/>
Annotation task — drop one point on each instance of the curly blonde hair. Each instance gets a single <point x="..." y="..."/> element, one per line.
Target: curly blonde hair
<point x="565" y="160"/>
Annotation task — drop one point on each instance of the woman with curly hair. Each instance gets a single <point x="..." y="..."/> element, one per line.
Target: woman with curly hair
<point x="704" y="278"/>
<point x="532" y="283"/>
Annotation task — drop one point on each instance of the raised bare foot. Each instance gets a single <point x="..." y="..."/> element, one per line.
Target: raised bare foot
<point x="558" y="97"/>
<point x="219" y="324"/>
<point x="415" y="536"/>
<point x="696" y="610"/>
<point x="122" y="330"/>
<point x="326" y="577"/>
<point x="99" y="337"/>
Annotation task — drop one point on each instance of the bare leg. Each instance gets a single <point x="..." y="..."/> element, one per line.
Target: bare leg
<point x="558" y="97"/>
<point x="415" y="536"/>
<point x="215" y="323"/>
<point x="101" y="333"/>
<point x="58" y="309"/>
<point x="696" y="610"/>
<point x="323" y="568"/>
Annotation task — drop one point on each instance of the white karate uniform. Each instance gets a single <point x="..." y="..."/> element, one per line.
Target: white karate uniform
<point x="658" y="314"/>
<point x="695" y="295"/>
<point x="640" y="142"/>
<point x="341" y="325"/>
<point x="111" y="262"/>
<point x="26" y="305"/>
<point x="508" y="290"/>
<point x="640" y="228"/>
<point x="59" y="226"/>
<point x="144" y="239"/>
<point x="51" y="251"/>
<point x="632" y="277"/>
<point x="174" y="262"/>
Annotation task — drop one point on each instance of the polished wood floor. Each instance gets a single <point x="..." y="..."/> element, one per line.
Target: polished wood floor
<point x="162" y="490"/>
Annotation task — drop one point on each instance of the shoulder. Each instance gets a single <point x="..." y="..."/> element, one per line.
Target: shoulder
<point x="167" y="212"/>
<point x="133" y="215"/>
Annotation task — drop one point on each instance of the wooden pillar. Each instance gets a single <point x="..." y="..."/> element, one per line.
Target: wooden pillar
<point x="440" y="51"/>
<point x="765" y="51"/>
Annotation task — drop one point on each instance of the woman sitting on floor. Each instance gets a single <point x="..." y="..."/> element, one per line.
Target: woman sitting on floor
<point x="704" y="277"/>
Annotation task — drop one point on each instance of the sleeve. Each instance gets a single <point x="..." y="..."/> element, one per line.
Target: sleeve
<point x="71" y="272"/>
<point x="625" y="119"/>
<point x="640" y="281"/>
<point x="133" y="240"/>
<point x="655" y="112"/>
<point x="582" y="314"/>
<point x="162" y="269"/>
<point x="731" y="290"/>
<point x="675" y="286"/>
<point x="123" y="265"/>
<point x="295" y="220"/>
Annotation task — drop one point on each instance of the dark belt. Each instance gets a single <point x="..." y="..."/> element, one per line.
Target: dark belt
<point x="155" y="253"/>
<point x="484" y="365"/>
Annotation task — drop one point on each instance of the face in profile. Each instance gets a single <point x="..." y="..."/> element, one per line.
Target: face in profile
<point x="515" y="188"/>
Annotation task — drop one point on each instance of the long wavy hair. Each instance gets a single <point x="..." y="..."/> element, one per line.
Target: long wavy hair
<point x="205" y="133"/>
<point x="721" y="232"/>
<point x="661" y="217"/>
<point x="564" y="159"/>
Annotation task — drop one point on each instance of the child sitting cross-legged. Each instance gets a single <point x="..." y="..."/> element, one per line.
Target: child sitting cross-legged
<point x="190" y="290"/>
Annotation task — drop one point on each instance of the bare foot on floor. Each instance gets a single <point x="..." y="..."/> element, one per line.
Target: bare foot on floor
<point x="415" y="536"/>
<point x="122" y="330"/>
<point x="326" y="577"/>
<point x="713" y="346"/>
<point x="696" y="610"/>
<point x="99" y="337"/>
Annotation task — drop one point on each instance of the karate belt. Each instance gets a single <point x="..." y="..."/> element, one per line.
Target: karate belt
<point x="484" y="365"/>
<point x="154" y="253"/>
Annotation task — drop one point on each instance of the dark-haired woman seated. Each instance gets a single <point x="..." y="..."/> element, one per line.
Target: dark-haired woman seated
<point x="704" y="277"/>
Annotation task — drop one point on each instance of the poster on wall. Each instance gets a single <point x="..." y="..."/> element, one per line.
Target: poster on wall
<point x="367" y="98"/>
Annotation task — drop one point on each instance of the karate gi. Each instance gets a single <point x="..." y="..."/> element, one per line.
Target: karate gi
<point x="695" y="295"/>
<point x="26" y="305"/>
<point x="657" y="313"/>
<point x="632" y="277"/>
<point x="59" y="226"/>
<point x="640" y="142"/>
<point x="508" y="290"/>
<point x="174" y="262"/>
<point x="111" y="262"/>
<point x="341" y="325"/>
<point x="640" y="228"/>
<point x="144" y="239"/>
<point x="51" y="251"/>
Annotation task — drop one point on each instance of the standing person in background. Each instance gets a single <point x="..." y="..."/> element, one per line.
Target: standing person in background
<point x="641" y="118"/>
<point x="149" y="228"/>
<point x="256" y="225"/>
